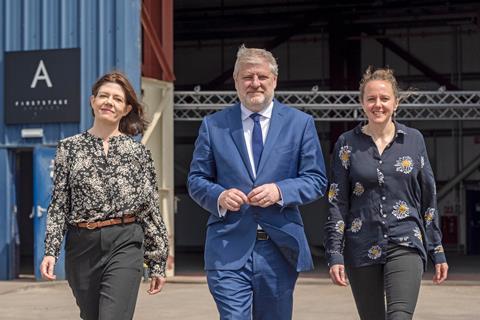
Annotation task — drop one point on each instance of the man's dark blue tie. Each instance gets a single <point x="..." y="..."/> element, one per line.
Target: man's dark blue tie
<point x="257" y="141"/>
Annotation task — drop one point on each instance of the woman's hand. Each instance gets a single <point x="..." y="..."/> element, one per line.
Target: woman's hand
<point x="156" y="285"/>
<point x="338" y="276"/>
<point x="46" y="268"/>
<point x="441" y="273"/>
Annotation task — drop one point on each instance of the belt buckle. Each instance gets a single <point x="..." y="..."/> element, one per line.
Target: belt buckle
<point x="262" y="235"/>
<point x="91" y="225"/>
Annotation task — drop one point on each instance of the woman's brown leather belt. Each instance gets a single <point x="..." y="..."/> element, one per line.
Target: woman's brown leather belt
<point x="128" y="218"/>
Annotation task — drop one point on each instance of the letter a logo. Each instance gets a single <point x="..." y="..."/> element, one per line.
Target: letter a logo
<point x="41" y="74"/>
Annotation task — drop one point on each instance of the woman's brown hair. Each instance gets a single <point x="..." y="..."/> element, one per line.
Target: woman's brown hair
<point x="133" y="123"/>
<point x="385" y="74"/>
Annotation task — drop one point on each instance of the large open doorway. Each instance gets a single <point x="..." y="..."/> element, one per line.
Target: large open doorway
<point x="24" y="194"/>
<point x="473" y="221"/>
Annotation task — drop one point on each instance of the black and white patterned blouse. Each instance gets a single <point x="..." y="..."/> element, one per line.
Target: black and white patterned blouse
<point x="375" y="199"/>
<point x="92" y="186"/>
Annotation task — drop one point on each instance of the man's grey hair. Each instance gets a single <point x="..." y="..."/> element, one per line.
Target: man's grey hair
<point x="254" y="56"/>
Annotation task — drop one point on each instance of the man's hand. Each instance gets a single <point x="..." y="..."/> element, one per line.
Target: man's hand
<point x="338" y="276"/>
<point x="441" y="272"/>
<point x="232" y="199"/>
<point x="156" y="285"/>
<point x="46" y="268"/>
<point x="264" y="195"/>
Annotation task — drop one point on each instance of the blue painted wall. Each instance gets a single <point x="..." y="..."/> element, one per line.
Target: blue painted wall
<point x="108" y="33"/>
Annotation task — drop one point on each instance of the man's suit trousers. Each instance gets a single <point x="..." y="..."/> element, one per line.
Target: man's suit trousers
<point x="260" y="290"/>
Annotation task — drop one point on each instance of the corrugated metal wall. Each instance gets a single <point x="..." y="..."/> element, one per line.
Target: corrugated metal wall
<point x="108" y="35"/>
<point x="106" y="31"/>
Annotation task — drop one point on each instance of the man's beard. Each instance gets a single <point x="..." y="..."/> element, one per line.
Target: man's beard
<point x="257" y="102"/>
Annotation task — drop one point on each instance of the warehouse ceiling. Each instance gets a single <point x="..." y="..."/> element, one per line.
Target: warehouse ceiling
<point x="269" y="24"/>
<point x="205" y="20"/>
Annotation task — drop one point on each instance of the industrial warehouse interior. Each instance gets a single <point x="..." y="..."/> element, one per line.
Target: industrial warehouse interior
<point x="180" y="56"/>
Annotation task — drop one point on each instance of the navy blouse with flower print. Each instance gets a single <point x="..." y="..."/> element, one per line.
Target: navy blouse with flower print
<point x="92" y="186"/>
<point x="376" y="199"/>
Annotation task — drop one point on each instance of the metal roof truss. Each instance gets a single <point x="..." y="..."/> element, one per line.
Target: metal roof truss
<point x="338" y="105"/>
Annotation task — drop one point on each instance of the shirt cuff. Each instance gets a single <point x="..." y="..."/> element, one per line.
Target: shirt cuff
<point x="51" y="253"/>
<point x="157" y="269"/>
<point x="51" y="247"/>
<point x="221" y="211"/>
<point x="335" y="259"/>
<point x="439" y="258"/>
<point x="279" y="202"/>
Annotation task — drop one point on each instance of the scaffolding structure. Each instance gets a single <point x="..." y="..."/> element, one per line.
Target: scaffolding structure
<point x="338" y="105"/>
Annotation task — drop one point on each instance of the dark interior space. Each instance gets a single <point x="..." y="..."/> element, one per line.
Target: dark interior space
<point x="24" y="193"/>
<point x="344" y="25"/>
<point x="473" y="221"/>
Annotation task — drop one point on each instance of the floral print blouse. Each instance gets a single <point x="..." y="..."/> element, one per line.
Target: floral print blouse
<point x="92" y="186"/>
<point x="376" y="199"/>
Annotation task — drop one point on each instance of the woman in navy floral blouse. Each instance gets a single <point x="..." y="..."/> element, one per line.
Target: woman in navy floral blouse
<point x="105" y="200"/>
<point x="383" y="217"/>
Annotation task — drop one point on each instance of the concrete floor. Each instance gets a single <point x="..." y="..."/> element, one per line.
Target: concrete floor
<point x="461" y="267"/>
<point x="188" y="298"/>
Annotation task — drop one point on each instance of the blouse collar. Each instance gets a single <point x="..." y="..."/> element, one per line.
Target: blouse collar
<point x="112" y="138"/>
<point x="400" y="129"/>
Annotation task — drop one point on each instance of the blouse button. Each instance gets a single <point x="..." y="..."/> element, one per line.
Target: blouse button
<point x="384" y="198"/>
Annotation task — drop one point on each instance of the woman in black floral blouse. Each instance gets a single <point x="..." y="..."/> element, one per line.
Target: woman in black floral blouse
<point x="383" y="218"/>
<point x="106" y="201"/>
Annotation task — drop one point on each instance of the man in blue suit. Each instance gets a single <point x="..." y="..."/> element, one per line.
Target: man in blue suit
<point x="254" y="163"/>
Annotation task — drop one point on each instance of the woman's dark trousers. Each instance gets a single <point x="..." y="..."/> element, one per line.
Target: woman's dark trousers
<point x="104" y="268"/>
<point x="397" y="281"/>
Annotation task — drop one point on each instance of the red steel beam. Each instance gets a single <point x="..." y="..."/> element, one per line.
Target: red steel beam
<point x="163" y="57"/>
<point x="167" y="30"/>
